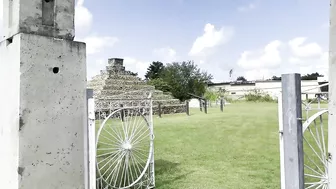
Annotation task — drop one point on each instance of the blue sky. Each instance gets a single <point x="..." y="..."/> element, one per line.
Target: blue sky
<point x="256" y="38"/>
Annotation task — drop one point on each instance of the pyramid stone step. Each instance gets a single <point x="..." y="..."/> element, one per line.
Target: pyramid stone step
<point x="124" y="82"/>
<point x="129" y="87"/>
<point x="162" y="97"/>
<point x="157" y="92"/>
<point x="123" y="77"/>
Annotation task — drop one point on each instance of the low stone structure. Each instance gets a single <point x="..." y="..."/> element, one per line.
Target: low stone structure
<point x="115" y="87"/>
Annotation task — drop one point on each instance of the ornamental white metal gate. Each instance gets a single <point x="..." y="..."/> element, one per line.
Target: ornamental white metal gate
<point x="124" y="143"/>
<point x="303" y="140"/>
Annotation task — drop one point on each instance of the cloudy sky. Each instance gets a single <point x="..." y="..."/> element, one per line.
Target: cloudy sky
<point x="256" y="38"/>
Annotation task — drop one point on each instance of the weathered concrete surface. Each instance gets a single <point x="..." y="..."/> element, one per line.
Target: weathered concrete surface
<point x="42" y="17"/>
<point x="44" y="109"/>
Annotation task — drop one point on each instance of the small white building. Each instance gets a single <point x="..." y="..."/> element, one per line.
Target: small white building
<point x="272" y="87"/>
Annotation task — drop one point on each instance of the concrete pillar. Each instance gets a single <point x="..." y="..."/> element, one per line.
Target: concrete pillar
<point x="43" y="97"/>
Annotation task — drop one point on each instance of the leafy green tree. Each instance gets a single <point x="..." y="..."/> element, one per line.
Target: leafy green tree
<point x="275" y="78"/>
<point x="241" y="78"/>
<point x="134" y="74"/>
<point x="154" y="70"/>
<point x="160" y="84"/>
<point x="184" y="78"/>
<point x="312" y="76"/>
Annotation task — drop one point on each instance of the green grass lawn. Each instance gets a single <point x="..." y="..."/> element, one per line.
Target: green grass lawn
<point x="237" y="148"/>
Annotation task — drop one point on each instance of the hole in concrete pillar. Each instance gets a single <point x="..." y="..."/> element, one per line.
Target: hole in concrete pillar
<point x="9" y="41"/>
<point x="56" y="70"/>
<point x="48" y="12"/>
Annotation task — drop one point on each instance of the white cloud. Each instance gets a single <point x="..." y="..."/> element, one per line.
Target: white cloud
<point x="296" y="60"/>
<point x="269" y="57"/>
<point x="248" y="7"/>
<point x="325" y="25"/>
<point x="309" y="57"/>
<point x="166" y="55"/>
<point x="137" y="66"/>
<point x="94" y="69"/>
<point x="258" y="74"/>
<point x="301" y="50"/>
<point x="210" y="39"/>
<point x="1" y="18"/>
<point x="323" y="64"/>
<point x="96" y="44"/>
<point x="1" y="10"/>
<point x="83" y="17"/>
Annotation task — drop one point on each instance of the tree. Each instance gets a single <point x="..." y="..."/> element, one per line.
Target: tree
<point x="211" y="96"/>
<point x="184" y="78"/>
<point x="160" y="84"/>
<point x="312" y="76"/>
<point x="275" y="78"/>
<point x="134" y="74"/>
<point x="241" y="78"/>
<point x="154" y="70"/>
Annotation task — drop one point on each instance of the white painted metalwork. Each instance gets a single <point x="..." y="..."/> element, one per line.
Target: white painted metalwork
<point x="92" y="144"/>
<point x="282" y="165"/>
<point x="124" y="143"/>
<point x="315" y="151"/>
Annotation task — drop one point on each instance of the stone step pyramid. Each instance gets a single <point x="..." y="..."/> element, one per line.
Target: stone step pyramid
<point x="117" y="84"/>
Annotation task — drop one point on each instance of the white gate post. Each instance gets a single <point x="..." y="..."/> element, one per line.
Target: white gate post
<point x="332" y="93"/>
<point x="282" y="168"/>
<point x="292" y="132"/>
<point x="152" y="169"/>
<point x="91" y="139"/>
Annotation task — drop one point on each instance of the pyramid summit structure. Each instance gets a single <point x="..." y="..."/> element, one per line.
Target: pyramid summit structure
<point x="116" y="83"/>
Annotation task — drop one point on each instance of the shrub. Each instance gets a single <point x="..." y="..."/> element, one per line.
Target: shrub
<point x="258" y="96"/>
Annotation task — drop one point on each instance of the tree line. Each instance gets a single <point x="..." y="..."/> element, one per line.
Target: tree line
<point x="184" y="78"/>
<point x="312" y="76"/>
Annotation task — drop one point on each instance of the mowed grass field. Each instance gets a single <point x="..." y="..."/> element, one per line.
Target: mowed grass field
<point x="237" y="148"/>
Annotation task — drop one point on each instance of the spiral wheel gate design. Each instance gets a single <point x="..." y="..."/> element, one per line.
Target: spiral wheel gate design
<point x="316" y="159"/>
<point x="124" y="149"/>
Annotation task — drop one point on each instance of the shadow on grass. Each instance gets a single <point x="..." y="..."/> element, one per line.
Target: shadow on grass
<point x="164" y="171"/>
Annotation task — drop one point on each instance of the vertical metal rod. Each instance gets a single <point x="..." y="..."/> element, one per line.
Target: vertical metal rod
<point x="332" y="96"/>
<point x="152" y="135"/>
<point x="292" y="131"/>
<point x="122" y="113"/>
<point x="91" y="140"/>
<point x="221" y="104"/>
<point x="319" y="101"/>
<point x="282" y="160"/>
<point x="187" y="108"/>
<point x="160" y="111"/>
